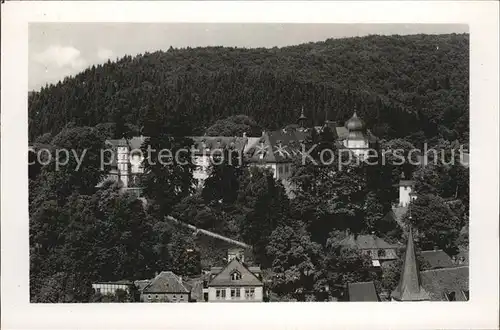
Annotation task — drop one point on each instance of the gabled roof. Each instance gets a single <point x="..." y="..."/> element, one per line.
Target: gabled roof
<point x="362" y="291"/>
<point x="410" y="288"/>
<point x="224" y="277"/>
<point x="166" y="282"/>
<point x="437" y="259"/>
<point x="440" y="281"/>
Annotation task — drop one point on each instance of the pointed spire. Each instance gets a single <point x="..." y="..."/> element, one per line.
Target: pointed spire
<point x="302" y="119"/>
<point x="302" y="116"/>
<point x="410" y="288"/>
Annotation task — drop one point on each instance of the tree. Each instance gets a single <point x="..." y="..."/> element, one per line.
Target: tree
<point x="329" y="197"/>
<point x="168" y="166"/>
<point x="344" y="265"/>
<point x="234" y="126"/>
<point x="264" y="206"/>
<point x="77" y="150"/>
<point x="437" y="225"/>
<point x="185" y="255"/>
<point x="223" y="181"/>
<point x="296" y="261"/>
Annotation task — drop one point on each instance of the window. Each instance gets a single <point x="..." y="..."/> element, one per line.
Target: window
<point x="281" y="170"/>
<point x="220" y="293"/>
<point x="235" y="293"/>
<point x="249" y="293"/>
<point x="235" y="276"/>
<point x="156" y="297"/>
<point x="98" y="290"/>
<point x="181" y="298"/>
<point x="286" y="168"/>
<point x="149" y="297"/>
<point x="381" y="253"/>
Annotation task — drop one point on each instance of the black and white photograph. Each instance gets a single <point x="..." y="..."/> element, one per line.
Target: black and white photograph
<point x="249" y="162"/>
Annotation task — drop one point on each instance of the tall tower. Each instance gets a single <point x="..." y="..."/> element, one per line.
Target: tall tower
<point x="123" y="162"/>
<point x="356" y="138"/>
<point x="410" y="288"/>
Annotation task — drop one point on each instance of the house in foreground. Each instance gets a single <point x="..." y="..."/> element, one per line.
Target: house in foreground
<point x="165" y="287"/>
<point x="236" y="282"/>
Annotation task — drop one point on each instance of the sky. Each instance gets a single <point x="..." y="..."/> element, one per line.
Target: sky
<point x="57" y="50"/>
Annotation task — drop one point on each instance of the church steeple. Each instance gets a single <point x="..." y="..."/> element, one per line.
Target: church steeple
<point x="410" y="288"/>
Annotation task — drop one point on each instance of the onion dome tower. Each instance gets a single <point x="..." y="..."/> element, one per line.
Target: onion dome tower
<point x="356" y="139"/>
<point x="356" y="127"/>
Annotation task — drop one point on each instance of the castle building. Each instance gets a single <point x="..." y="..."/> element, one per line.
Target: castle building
<point x="276" y="150"/>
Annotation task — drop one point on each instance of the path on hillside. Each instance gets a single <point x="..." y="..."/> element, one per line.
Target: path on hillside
<point x="208" y="233"/>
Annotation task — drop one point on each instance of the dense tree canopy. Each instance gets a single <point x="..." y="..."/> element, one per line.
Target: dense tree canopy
<point x="401" y="85"/>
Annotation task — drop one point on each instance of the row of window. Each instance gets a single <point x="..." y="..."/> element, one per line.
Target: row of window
<point x="284" y="169"/>
<point x="235" y="293"/>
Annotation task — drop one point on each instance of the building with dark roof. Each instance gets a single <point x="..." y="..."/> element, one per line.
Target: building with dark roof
<point x="166" y="287"/>
<point x="235" y="283"/>
<point x="447" y="284"/>
<point x="437" y="259"/>
<point x="362" y="291"/>
<point x="376" y="248"/>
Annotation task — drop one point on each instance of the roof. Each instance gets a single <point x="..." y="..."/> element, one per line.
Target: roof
<point x="166" y="282"/>
<point x="364" y="242"/>
<point x="223" y="278"/>
<point x="202" y="143"/>
<point x="121" y="282"/>
<point x="409" y="287"/>
<point x="406" y="183"/>
<point x="133" y="143"/>
<point x="440" y="281"/>
<point x="437" y="259"/>
<point x="277" y="146"/>
<point x="362" y="291"/>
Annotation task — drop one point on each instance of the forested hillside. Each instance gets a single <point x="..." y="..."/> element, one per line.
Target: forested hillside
<point x="403" y="86"/>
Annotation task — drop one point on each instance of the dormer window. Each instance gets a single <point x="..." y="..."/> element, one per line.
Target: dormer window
<point x="235" y="276"/>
